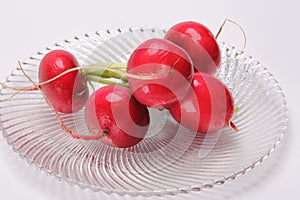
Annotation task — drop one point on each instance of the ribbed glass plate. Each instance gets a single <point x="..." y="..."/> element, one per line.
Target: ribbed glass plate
<point x="169" y="160"/>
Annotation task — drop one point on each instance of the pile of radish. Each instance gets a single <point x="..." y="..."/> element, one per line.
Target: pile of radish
<point x="174" y="73"/>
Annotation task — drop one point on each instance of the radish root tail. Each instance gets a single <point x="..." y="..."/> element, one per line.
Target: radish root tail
<point x="233" y="126"/>
<point x="236" y="24"/>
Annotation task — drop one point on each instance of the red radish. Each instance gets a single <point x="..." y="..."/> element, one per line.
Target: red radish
<point x="68" y="93"/>
<point x="208" y="107"/>
<point x="114" y="113"/>
<point x="199" y="43"/>
<point x="170" y="67"/>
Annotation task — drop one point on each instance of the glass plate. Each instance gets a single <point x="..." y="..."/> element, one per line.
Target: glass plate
<point x="169" y="160"/>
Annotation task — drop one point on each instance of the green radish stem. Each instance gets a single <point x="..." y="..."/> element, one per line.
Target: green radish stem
<point x="92" y="85"/>
<point x="104" y="71"/>
<point x="105" y="81"/>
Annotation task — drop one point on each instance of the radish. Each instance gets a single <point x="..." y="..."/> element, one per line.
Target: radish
<point x="69" y="92"/>
<point x="208" y="107"/>
<point x="113" y="113"/>
<point x="199" y="43"/>
<point x="171" y="66"/>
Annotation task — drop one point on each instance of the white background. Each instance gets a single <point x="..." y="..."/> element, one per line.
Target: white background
<point x="273" y="37"/>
